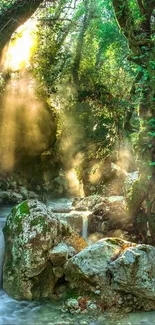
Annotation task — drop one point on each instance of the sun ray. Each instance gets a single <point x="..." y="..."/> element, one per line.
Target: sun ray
<point x="19" y="50"/>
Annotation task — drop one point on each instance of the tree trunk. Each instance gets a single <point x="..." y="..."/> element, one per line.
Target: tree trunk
<point x="141" y="202"/>
<point x="13" y="16"/>
<point x="79" y="46"/>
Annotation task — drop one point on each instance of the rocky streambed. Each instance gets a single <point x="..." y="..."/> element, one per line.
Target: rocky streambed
<point x="73" y="309"/>
<point x="44" y="313"/>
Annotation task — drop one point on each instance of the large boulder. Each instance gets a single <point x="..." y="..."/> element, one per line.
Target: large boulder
<point x="35" y="239"/>
<point x="87" y="271"/>
<point x="117" y="272"/>
<point x="134" y="271"/>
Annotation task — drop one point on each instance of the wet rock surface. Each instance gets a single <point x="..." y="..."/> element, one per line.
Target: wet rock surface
<point x="65" y="313"/>
<point x="134" y="271"/>
<point x="120" y="273"/>
<point x="35" y="239"/>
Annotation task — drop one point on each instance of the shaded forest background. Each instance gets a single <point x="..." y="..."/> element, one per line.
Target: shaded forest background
<point x="93" y="66"/>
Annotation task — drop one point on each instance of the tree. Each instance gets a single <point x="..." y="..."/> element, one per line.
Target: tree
<point x="12" y="15"/>
<point x="137" y="20"/>
<point x="78" y="61"/>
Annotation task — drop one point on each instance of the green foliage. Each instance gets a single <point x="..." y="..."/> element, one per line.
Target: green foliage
<point x="95" y="107"/>
<point x="2" y="84"/>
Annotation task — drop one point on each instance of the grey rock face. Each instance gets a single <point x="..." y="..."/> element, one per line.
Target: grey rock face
<point x="134" y="271"/>
<point x="36" y="244"/>
<point x="88" y="269"/>
<point x="24" y="192"/>
<point x="16" y="197"/>
<point x="5" y="195"/>
<point x="122" y="272"/>
<point x="4" y="185"/>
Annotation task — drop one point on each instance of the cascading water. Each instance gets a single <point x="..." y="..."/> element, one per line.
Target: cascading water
<point x="85" y="216"/>
<point x="4" y="211"/>
<point x="1" y="251"/>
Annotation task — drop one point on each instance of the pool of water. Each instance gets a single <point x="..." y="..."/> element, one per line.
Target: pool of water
<point x="14" y="312"/>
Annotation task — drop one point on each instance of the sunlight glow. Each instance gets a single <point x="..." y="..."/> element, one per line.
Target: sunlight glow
<point x="74" y="185"/>
<point x="23" y="118"/>
<point x="19" y="50"/>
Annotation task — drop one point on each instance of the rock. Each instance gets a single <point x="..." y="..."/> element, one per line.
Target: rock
<point x="91" y="306"/>
<point x="59" y="254"/>
<point x="16" y="197"/>
<point x="134" y="271"/>
<point x="43" y="198"/>
<point x="76" y="201"/>
<point x="38" y="188"/>
<point x="108" y="215"/>
<point x="88" y="202"/>
<point x="5" y="196"/>
<point x="13" y="185"/>
<point x="72" y="305"/>
<point x="62" y="206"/>
<point x="58" y="186"/>
<point x="32" y="259"/>
<point x="4" y="185"/>
<point x="58" y="271"/>
<point x="24" y="192"/>
<point x="32" y="195"/>
<point x="123" y="272"/>
<point x="115" y="198"/>
<point x="74" y="219"/>
<point x="129" y="180"/>
<point x="88" y="269"/>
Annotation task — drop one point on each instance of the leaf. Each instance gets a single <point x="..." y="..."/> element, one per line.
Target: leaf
<point x="152" y="163"/>
<point x="152" y="134"/>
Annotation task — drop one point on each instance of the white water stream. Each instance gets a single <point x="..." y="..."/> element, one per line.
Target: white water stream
<point x="85" y="225"/>
<point x="1" y="254"/>
<point x="14" y="312"/>
<point x="63" y="209"/>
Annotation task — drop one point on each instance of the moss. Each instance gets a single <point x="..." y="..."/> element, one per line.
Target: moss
<point x="24" y="208"/>
<point x="16" y="217"/>
<point x="115" y="241"/>
<point x="136" y="197"/>
<point x="20" y="210"/>
<point x="40" y="222"/>
<point x="19" y="228"/>
<point x="13" y="211"/>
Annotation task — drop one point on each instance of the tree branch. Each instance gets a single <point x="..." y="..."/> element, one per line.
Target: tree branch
<point x="123" y="15"/>
<point x="138" y="34"/>
<point x="141" y="7"/>
<point x="149" y="6"/>
<point x="79" y="46"/>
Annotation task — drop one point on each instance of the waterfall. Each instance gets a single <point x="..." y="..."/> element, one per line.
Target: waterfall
<point x="85" y="226"/>
<point x="1" y="252"/>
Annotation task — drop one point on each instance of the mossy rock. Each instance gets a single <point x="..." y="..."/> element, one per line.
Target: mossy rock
<point x="136" y="197"/>
<point x="31" y="231"/>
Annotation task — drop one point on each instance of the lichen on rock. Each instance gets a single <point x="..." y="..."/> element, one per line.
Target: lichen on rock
<point x="31" y="232"/>
<point x="120" y="274"/>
